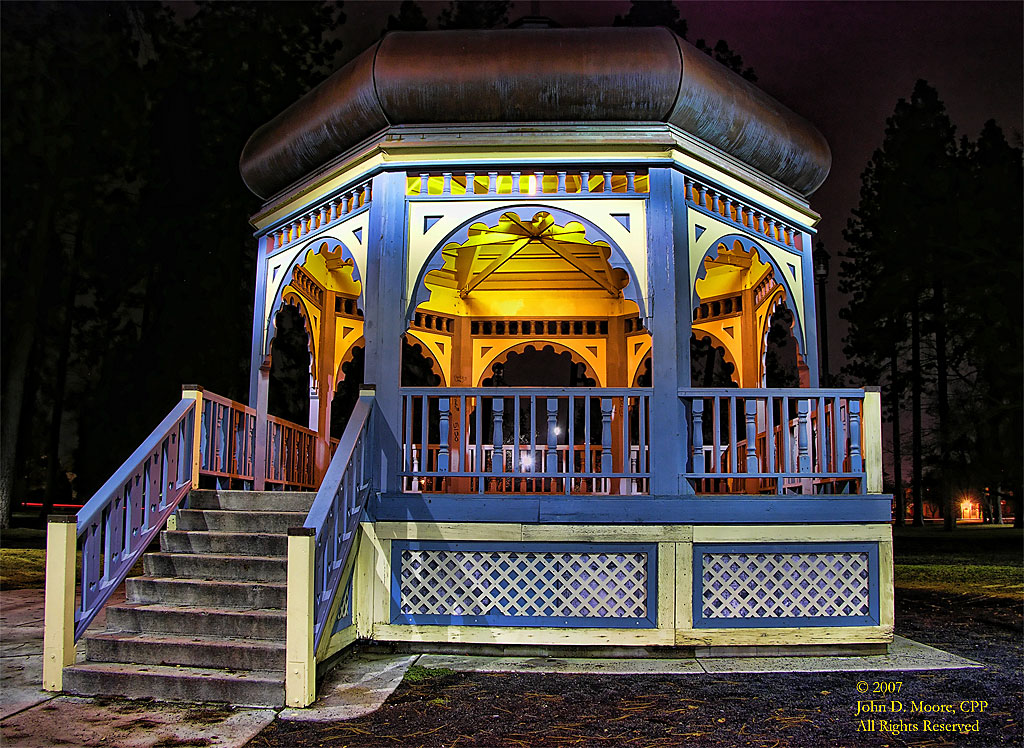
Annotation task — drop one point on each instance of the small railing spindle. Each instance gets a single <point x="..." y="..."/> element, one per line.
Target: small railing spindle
<point x="551" y="458"/>
<point x="803" y="424"/>
<point x="606" y="435"/>
<point x="750" y="408"/>
<point x="856" y="459"/>
<point x="443" y="428"/>
<point x="498" y="436"/>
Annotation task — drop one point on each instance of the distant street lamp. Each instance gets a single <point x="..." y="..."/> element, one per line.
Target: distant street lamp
<point x="821" y="267"/>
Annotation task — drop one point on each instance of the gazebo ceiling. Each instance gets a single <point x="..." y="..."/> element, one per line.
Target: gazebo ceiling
<point x="535" y="75"/>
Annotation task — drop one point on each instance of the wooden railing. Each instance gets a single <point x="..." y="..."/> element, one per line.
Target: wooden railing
<point x="290" y="454"/>
<point x="775" y="440"/>
<point x="228" y="447"/>
<point x="550" y="440"/>
<point x="228" y="442"/>
<point x="321" y="553"/>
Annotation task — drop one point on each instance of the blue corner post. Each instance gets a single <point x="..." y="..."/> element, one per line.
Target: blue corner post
<point x="668" y="274"/>
<point x="811" y="356"/>
<point x="384" y="320"/>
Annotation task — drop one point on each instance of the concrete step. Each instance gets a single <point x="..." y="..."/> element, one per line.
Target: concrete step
<point x="169" y="683"/>
<point x="235" y="543"/>
<point x="193" y="651"/>
<point x="220" y="520"/>
<point x="221" y="593"/>
<point x="252" y="501"/>
<point x="216" y="566"/>
<point x="197" y="620"/>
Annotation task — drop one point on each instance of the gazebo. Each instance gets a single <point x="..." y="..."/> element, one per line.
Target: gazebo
<point x="541" y="219"/>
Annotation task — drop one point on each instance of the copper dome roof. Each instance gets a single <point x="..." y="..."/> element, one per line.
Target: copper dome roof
<point x="535" y="75"/>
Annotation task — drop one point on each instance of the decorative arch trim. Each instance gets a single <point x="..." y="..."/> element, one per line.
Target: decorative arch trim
<point x="766" y="256"/>
<point x="318" y="245"/>
<point x="459" y="235"/>
<point x="519" y="347"/>
<point x="727" y="352"/>
<point x="412" y="339"/>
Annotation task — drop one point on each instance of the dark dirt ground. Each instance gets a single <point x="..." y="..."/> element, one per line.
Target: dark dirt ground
<point x="789" y="710"/>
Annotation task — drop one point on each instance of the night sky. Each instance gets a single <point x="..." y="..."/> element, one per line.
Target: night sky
<point x="842" y="65"/>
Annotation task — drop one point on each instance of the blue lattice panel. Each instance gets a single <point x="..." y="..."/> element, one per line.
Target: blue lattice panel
<point x="524" y="584"/>
<point x="775" y="585"/>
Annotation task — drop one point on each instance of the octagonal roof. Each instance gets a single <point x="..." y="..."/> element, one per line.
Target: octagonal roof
<point x="516" y="76"/>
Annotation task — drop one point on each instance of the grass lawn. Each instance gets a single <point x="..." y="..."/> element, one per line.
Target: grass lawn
<point x="985" y="560"/>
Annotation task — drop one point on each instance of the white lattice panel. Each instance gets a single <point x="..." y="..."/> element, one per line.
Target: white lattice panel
<point x="785" y="585"/>
<point x="523" y="584"/>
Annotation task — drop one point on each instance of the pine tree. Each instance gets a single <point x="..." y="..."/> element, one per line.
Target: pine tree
<point x="410" y="18"/>
<point x="474" y="14"/>
<point x="666" y="13"/>
<point x="932" y="258"/>
<point x="903" y="240"/>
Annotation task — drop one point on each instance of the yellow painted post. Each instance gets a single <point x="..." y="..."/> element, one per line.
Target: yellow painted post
<point x="195" y="392"/>
<point x="300" y="672"/>
<point x="871" y="428"/>
<point x="59" y="604"/>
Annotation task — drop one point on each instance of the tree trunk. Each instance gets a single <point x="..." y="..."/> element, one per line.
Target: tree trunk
<point x="35" y="261"/>
<point x="942" y="395"/>
<point x="14" y="392"/>
<point x="897" y="447"/>
<point x="915" y="408"/>
<point x="57" y="487"/>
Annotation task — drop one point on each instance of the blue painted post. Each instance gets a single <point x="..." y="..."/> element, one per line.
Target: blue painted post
<point x="810" y="324"/>
<point x="856" y="458"/>
<point x="470" y="182"/>
<point x="671" y="315"/>
<point x="259" y="316"/>
<point x="631" y="182"/>
<point x="802" y="423"/>
<point x="492" y="183"/>
<point x="515" y="182"/>
<point x="259" y="468"/>
<point x="424" y="184"/>
<point x="697" y="435"/>
<point x="606" y="435"/>
<point x="561" y="183"/>
<point x="384" y="323"/>
<point x="607" y="181"/>
<point x="551" y="459"/>
<point x="750" y="408"/>
<point x="497" y="435"/>
<point x="584" y="181"/>
<point x="538" y="177"/>
<point x="442" y="453"/>
<point x="446" y="188"/>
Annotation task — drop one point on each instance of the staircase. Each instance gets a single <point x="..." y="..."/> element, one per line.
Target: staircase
<point x="207" y="621"/>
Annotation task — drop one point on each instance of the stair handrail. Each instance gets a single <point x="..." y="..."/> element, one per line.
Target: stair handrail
<point x="121" y="519"/>
<point x="333" y="518"/>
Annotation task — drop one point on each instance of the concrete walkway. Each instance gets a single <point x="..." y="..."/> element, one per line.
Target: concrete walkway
<point x="31" y="717"/>
<point x="904" y="655"/>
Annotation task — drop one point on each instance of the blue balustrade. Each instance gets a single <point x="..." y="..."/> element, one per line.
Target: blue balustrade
<point x="121" y="519"/>
<point x="334" y="515"/>
<point x="774" y="440"/>
<point x="570" y="440"/>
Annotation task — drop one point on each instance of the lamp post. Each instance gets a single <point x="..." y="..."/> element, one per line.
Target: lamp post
<point x="821" y="267"/>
